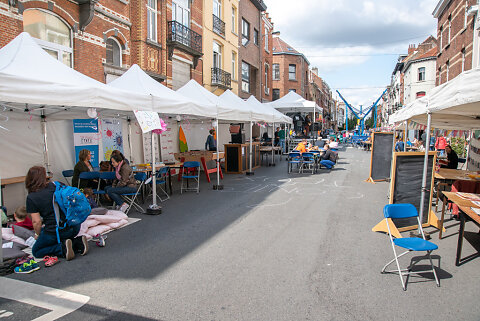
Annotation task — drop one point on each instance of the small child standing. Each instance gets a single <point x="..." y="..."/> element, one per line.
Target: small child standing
<point x="90" y="197"/>
<point x="22" y="219"/>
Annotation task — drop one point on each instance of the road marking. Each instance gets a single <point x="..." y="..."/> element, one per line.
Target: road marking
<point x="269" y="205"/>
<point x="58" y="301"/>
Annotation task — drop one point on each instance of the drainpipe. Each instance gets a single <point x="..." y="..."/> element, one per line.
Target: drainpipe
<point x="260" y="51"/>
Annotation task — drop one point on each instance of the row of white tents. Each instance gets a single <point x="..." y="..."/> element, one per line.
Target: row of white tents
<point x="453" y="105"/>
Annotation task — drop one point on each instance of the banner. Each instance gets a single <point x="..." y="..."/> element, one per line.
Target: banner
<point x="148" y="120"/>
<point x="86" y="136"/>
<point x="112" y="138"/>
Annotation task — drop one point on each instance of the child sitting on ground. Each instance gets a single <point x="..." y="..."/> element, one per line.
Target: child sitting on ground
<point x="22" y="219"/>
<point x="90" y="197"/>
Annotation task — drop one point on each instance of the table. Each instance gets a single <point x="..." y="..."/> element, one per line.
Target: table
<point x="412" y="148"/>
<point x="10" y="181"/>
<point x="148" y="169"/>
<point x="466" y="213"/>
<point x="202" y="157"/>
<point x="265" y="150"/>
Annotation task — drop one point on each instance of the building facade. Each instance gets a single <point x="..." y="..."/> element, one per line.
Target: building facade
<point x="220" y="45"/>
<point x="290" y="70"/>
<point x="267" y="58"/>
<point x="455" y="33"/>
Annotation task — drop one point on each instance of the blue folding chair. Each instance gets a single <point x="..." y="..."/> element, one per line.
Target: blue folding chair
<point x="294" y="158"/>
<point x="106" y="177"/>
<point x="316" y="154"/>
<point x="88" y="176"/>
<point x="161" y="178"/>
<point x="191" y="170"/>
<point x="68" y="174"/>
<point x="397" y="211"/>
<point x="308" y="161"/>
<point x="130" y="198"/>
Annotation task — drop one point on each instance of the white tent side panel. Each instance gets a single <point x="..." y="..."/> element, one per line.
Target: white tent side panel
<point x="61" y="150"/>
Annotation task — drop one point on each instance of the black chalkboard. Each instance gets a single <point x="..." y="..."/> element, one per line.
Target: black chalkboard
<point x="406" y="184"/>
<point x="381" y="157"/>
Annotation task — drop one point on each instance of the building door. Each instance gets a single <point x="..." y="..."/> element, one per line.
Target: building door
<point x="180" y="73"/>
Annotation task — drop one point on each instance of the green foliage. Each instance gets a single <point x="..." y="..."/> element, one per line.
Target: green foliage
<point x="459" y="146"/>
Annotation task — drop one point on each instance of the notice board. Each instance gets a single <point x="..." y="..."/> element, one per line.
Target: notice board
<point x="381" y="156"/>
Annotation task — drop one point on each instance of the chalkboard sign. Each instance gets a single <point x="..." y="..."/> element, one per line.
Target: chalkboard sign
<point x="406" y="184"/>
<point x="381" y="156"/>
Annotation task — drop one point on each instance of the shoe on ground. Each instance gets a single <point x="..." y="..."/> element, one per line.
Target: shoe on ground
<point x="124" y="208"/>
<point x="99" y="240"/>
<point x="80" y="245"/>
<point x="68" y="249"/>
<point x="26" y="268"/>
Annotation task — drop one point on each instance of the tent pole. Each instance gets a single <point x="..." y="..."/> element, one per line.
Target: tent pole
<point x="468" y="148"/>
<point x="1" y="248"/>
<point x="405" y="136"/>
<point x="273" y="141"/>
<point x="218" y="187"/>
<point x="251" y="148"/>
<point x="425" y="169"/>
<point x="45" y="143"/>
<point x="154" y="181"/>
<point x="130" y="139"/>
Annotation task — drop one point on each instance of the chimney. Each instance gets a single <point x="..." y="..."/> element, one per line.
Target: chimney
<point x="315" y="70"/>
<point x="411" y="49"/>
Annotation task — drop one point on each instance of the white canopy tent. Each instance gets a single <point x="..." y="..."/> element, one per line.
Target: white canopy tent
<point x="276" y="116"/>
<point x="166" y="101"/>
<point x="293" y="102"/>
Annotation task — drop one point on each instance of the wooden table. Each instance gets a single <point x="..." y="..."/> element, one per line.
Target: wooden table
<point x="203" y="157"/>
<point x="466" y="213"/>
<point x="10" y="181"/>
<point x="265" y="150"/>
<point x="455" y="175"/>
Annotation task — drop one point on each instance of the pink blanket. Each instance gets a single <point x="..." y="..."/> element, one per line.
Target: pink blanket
<point x="100" y="224"/>
<point x="7" y="234"/>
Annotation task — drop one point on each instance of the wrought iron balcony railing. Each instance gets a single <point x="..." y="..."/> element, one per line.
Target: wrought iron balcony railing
<point x="218" y="25"/>
<point x="180" y="34"/>
<point x="221" y="78"/>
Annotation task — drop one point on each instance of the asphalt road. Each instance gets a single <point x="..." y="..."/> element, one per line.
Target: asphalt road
<point x="273" y="246"/>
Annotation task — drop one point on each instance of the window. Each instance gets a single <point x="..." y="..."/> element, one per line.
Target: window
<point x="51" y="33"/>
<point x="266" y="39"/>
<point x="276" y="72"/>
<point x="463" y="59"/>
<point x="114" y="52"/>
<point x="441" y="38"/>
<point x="217" y="8"/>
<point x="267" y="91"/>
<point x="245" y="77"/>
<point x="181" y="12"/>
<point x="292" y="90"/>
<point x="217" y="55"/>
<point x="255" y="36"/>
<point x="448" y="69"/>
<point x="292" y="72"/>
<point x="420" y="94"/>
<point x="234" y="20"/>
<point x="439" y="75"/>
<point x="152" y="20"/>
<point x="245" y="32"/>
<point x="421" y="74"/>
<point x="275" y="94"/>
<point x="449" y="28"/>
<point x="234" y="65"/>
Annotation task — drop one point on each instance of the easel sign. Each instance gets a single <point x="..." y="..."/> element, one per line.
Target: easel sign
<point x="381" y="156"/>
<point x="406" y="187"/>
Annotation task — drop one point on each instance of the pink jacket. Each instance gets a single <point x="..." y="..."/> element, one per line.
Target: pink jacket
<point x="440" y="143"/>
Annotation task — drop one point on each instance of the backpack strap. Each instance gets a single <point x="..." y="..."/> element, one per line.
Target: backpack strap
<point x="56" y="210"/>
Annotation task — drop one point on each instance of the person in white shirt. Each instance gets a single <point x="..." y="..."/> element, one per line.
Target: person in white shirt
<point x="333" y="144"/>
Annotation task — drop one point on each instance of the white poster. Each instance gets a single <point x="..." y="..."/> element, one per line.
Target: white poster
<point x="148" y="120"/>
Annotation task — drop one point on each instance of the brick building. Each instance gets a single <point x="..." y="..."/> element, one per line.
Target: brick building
<point x="267" y="57"/>
<point x="290" y="70"/>
<point x="320" y="93"/>
<point x="455" y="34"/>
<point x="250" y="48"/>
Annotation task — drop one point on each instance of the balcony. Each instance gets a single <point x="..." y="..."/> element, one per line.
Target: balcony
<point x="221" y="78"/>
<point x="185" y="39"/>
<point x="218" y="26"/>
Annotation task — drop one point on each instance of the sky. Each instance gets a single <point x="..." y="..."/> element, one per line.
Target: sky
<point x="354" y="43"/>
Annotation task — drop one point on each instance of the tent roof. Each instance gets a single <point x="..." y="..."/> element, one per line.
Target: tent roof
<point x="29" y="75"/>
<point x="293" y="102"/>
<point x="276" y="116"/>
<point x="166" y="101"/>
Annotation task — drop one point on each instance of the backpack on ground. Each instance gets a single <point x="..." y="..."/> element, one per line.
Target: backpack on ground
<point x="73" y="203"/>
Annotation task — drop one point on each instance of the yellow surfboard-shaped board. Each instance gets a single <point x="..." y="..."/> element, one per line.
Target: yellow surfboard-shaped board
<point x="183" y="140"/>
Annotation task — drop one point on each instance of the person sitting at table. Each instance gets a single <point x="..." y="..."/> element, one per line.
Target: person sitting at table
<point x="452" y="158"/>
<point x="333" y="143"/>
<point x="320" y="142"/>
<point x="123" y="183"/>
<point x="329" y="158"/>
<point x="117" y="152"/>
<point x="265" y="137"/>
<point x="40" y="207"/>
<point x="83" y="165"/>
<point x="302" y="146"/>
<point x="210" y="144"/>
<point x="399" y="145"/>
<point x="420" y="147"/>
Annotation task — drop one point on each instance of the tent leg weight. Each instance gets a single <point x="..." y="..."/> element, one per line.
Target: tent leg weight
<point x="249" y="173"/>
<point x="218" y="187"/>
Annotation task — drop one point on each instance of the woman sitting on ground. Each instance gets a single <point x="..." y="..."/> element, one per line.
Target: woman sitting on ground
<point x="40" y="208"/>
<point x="83" y="165"/>
<point x="123" y="183"/>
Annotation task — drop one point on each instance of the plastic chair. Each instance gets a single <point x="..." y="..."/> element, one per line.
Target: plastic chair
<point x="393" y="211"/>
<point x="130" y="198"/>
<point x="308" y="160"/>
<point x="68" y="174"/>
<point x="191" y="170"/>
<point x="88" y="176"/>
<point x="316" y="154"/>
<point x="161" y="178"/>
<point x="294" y="158"/>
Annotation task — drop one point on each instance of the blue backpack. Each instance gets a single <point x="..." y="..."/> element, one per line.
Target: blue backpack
<point x="73" y="203"/>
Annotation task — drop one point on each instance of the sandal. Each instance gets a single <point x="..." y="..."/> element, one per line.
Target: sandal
<point x="50" y="260"/>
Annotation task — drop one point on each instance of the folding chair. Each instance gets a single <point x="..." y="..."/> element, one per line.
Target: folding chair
<point x="161" y="178"/>
<point x="104" y="176"/>
<point x="294" y="158"/>
<point x="416" y="244"/>
<point x="68" y="174"/>
<point x="130" y="198"/>
<point x="308" y="160"/>
<point x="316" y="154"/>
<point x="189" y="170"/>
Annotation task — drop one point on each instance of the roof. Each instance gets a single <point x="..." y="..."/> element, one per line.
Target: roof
<point x="280" y="47"/>
<point x="441" y="5"/>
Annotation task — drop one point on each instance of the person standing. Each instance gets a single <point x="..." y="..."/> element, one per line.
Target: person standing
<point x="277" y="138"/>
<point x="440" y="145"/>
<point x="211" y="144"/>
<point x="281" y="139"/>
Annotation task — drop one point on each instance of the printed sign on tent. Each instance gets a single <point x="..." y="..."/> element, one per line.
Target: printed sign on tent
<point x="148" y="120"/>
<point x="85" y="136"/>
<point x="112" y="138"/>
